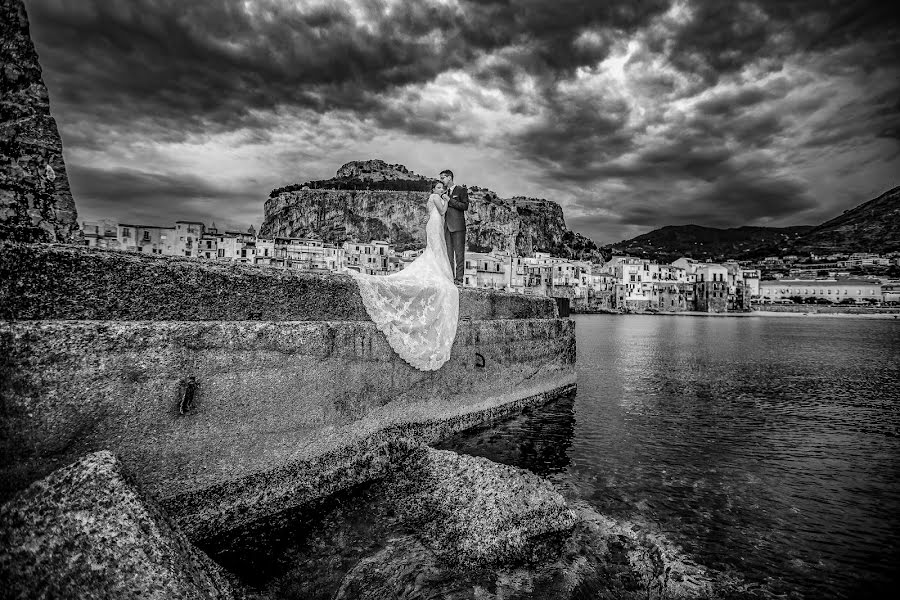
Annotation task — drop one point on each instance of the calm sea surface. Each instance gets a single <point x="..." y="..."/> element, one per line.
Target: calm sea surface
<point x="768" y="449"/>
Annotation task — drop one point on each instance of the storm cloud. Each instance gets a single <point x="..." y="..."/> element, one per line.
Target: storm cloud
<point x="632" y="114"/>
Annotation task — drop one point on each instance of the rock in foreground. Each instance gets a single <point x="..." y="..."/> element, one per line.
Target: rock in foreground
<point x="475" y="512"/>
<point x="85" y="532"/>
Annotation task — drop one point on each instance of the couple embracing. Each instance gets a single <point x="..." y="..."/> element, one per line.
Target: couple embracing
<point x="457" y="200"/>
<point x="417" y="308"/>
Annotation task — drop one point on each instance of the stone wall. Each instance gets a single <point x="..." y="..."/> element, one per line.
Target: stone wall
<point x="43" y="281"/>
<point x="825" y="309"/>
<point x="224" y="414"/>
<point x="36" y="204"/>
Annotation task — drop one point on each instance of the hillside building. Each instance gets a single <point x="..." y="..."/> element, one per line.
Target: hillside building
<point x="834" y="290"/>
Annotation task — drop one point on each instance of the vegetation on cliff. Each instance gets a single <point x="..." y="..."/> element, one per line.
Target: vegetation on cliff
<point x="873" y="226"/>
<point x="669" y="243"/>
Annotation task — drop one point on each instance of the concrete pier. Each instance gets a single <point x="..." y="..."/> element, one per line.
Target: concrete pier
<point x="233" y="392"/>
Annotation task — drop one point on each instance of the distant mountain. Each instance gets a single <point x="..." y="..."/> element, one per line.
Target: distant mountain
<point x="873" y="226"/>
<point x="674" y="241"/>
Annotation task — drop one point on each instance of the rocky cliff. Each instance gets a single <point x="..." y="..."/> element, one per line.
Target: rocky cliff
<point x="369" y="200"/>
<point x="36" y="204"/>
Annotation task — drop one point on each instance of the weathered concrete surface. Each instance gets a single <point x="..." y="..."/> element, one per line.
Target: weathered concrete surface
<point x="467" y="516"/>
<point x="269" y="398"/>
<point x="48" y="281"/>
<point x="85" y="532"/>
<point x="446" y="526"/>
<point x="36" y="204"/>
<point x="475" y="513"/>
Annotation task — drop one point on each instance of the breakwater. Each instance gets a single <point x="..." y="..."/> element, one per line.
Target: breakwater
<point x="192" y="410"/>
<point x="231" y="392"/>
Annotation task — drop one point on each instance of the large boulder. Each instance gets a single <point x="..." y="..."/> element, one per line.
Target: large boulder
<point x="85" y="532"/>
<point x="473" y="512"/>
<point x="599" y="558"/>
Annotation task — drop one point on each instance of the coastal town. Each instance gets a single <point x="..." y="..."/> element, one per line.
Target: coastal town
<point x="621" y="284"/>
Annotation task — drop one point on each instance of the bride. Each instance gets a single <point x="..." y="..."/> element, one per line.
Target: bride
<point x="417" y="308"/>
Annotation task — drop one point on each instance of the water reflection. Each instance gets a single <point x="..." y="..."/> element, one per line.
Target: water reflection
<point x="538" y="439"/>
<point x="768" y="448"/>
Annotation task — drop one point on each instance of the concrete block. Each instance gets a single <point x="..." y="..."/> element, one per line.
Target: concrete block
<point x="85" y="532"/>
<point x="268" y="398"/>
<point x="54" y="281"/>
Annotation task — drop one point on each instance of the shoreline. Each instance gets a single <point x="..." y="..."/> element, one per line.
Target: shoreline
<point x="755" y="313"/>
<point x="842" y="315"/>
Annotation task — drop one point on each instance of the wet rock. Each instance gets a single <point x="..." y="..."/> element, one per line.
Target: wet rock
<point x="609" y="558"/>
<point x="479" y="530"/>
<point x="405" y="568"/>
<point x="473" y="512"/>
<point x="85" y="532"/>
<point x="599" y="558"/>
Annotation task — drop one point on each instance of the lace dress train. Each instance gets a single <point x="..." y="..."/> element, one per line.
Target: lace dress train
<point x="417" y="308"/>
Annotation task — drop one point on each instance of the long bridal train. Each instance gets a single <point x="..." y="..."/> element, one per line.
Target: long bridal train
<point x="417" y="308"/>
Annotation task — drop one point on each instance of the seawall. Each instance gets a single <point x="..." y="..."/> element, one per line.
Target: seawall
<point x="234" y="392"/>
<point x="825" y="309"/>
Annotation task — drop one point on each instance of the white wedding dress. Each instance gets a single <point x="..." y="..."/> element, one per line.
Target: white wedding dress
<point x="417" y="308"/>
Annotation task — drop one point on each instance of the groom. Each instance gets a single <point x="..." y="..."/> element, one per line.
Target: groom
<point x="455" y="225"/>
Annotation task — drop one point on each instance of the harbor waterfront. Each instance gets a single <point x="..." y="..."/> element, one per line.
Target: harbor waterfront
<point x="766" y="448"/>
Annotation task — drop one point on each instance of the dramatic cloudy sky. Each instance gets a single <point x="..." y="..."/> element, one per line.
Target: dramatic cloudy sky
<point x="632" y="114"/>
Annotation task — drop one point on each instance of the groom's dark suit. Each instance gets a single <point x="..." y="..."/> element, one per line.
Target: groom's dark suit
<point x="455" y="230"/>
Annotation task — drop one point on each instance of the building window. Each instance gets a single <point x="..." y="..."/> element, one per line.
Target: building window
<point x="146" y="236"/>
